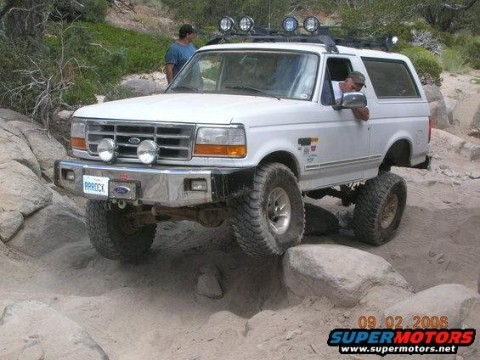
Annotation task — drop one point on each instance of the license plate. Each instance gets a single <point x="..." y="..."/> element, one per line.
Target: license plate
<point x="125" y="190"/>
<point x="95" y="185"/>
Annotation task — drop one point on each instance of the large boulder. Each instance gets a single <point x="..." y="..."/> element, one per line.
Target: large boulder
<point x="342" y="274"/>
<point x="22" y="191"/>
<point x="15" y="147"/>
<point x="50" y="228"/>
<point x="44" y="146"/>
<point x="453" y="301"/>
<point x="456" y="144"/>
<point x="467" y="112"/>
<point x="319" y="221"/>
<point x="33" y="330"/>
<point x="10" y="223"/>
<point x="142" y="87"/>
<point x="437" y="105"/>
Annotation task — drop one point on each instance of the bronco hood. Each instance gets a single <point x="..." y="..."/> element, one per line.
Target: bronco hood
<point x="188" y="108"/>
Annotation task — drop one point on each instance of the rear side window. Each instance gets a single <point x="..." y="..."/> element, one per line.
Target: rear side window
<point x="391" y="78"/>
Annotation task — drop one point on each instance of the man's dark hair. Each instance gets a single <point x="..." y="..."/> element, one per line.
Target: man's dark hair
<point x="186" y="29"/>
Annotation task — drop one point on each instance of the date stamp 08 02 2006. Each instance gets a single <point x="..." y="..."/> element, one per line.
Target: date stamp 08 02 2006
<point x="398" y="322"/>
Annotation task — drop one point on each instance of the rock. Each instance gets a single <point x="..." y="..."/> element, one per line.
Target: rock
<point x="63" y="115"/>
<point x="474" y="133"/>
<point x="292" y="333"/>
<point x="467" y="111"/>
<point x="142" y="87"/>
<point x="457" y="144"/>
<point x="342" y="274"/>
<point x="453" y="301"/>
<point x="44" y="146"/>
<point x="10" y="223"/>
<point x="50" y="228"/>
<point x="319" y="221"/>
<point x="15" y="147"/>
<point x="21" y="189"/>
<point x="33" y="330"/>
<point x="208" y="286"/>
<point x="9" y="115"/>
<point x="437" y="105"/>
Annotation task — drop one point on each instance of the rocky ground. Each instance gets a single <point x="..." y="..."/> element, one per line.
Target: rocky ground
<point x="197" y="296"/>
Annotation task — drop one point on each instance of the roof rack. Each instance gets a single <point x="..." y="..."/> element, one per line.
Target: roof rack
<point x="321" y="36"/>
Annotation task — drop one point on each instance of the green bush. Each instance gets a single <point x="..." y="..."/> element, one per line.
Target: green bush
<point x="453" y="61"/>
<point x="471" y="52"/>
<point x="96" y="10"/>
<point x="426" y="63"/>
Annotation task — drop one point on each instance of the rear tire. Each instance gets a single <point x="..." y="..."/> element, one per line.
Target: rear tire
<point x="379" y="208"/>
<point x="114" y="234"/>
<point x="271" y="218"/>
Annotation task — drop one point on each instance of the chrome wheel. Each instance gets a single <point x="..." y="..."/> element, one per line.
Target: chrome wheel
<point x="389" y="211"/>
<point x="279" y="211"/>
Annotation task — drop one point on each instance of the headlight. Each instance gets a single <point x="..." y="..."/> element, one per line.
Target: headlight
<point x="107" y="150"/>
<point x="220" y="142"/>
<point x="147" y="151"/>
<point x="77" y="134"/>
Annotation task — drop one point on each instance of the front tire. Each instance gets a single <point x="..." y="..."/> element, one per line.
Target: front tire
<point x="271" y="218"/>
<point x="114" y="233"/>
<point x="379" y="208"/>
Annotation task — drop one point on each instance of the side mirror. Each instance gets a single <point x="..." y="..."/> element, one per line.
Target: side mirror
<point x="352" y="100"/>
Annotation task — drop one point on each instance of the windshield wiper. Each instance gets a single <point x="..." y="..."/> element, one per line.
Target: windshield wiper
<point x="251" y="89"/>
<point x="185" y="88"/>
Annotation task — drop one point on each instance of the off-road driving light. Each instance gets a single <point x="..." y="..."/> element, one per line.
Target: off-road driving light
<point x="147" y="151"/>
<point x="107" y="150"/>
<point x="226" y="24"/>
<point x="246" y="23"/>
<point x="290" y="24"/>
<point x="198" y="185"/>
<point x="311" y="24"/>
<point x="212" y="141"/>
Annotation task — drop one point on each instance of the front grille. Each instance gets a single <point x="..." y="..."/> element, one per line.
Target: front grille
<point x="174" y="140"/>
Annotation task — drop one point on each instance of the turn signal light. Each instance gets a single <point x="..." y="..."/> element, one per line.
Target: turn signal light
<point x="78" y="143"/>
<point x="221" y="150"/>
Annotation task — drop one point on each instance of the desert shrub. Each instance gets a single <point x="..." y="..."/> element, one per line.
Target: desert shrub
<point x="453" y="61"/>
<point x="471" y="52"/>
<point x="426" y="64"/>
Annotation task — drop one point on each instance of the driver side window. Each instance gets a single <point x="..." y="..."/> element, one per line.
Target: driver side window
<point x="337" y="69"/>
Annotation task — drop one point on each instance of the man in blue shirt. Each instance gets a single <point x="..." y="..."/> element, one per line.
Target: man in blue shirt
<point x="179" y="52"/>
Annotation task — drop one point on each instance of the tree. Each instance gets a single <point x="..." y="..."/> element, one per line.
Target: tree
<point x="25" y="20"/>
<point x="442" y="14"/>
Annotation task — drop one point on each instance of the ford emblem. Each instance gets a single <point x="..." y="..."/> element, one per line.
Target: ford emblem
<point x="134" y="141"/>
<point x="122" y="190"/>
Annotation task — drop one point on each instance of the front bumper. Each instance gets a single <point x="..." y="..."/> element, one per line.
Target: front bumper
<point x="159" y="185"/>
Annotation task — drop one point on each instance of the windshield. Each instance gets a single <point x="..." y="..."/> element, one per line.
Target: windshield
<point x="290" y="75"/>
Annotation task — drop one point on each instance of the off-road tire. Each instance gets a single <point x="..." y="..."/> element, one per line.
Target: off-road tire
<point x="263" y="230"/>
<point x="379" y="208"/>
<point x="114" y="236"/>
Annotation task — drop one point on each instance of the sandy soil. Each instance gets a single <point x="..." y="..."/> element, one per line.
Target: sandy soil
<point x="152" y="311"/>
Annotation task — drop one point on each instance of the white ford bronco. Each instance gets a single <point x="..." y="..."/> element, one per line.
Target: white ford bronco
<point x="244" y="132"/>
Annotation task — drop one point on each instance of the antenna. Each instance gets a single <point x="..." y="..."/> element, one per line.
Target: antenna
<point x="269" y="13"/>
